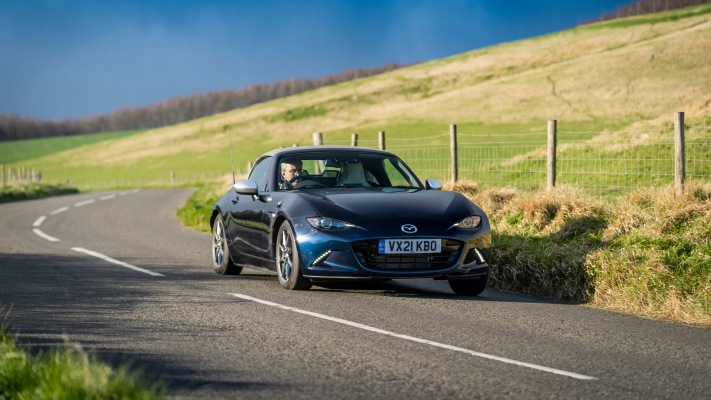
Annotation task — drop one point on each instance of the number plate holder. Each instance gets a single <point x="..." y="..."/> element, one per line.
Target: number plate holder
<point x="409" y="246"/>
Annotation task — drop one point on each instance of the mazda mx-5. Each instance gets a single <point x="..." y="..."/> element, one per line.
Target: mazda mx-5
<point x="323" y="213"/>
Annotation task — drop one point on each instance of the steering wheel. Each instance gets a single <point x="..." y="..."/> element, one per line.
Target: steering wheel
<point x="309" y="183"/>
<point x="290" y="183"/>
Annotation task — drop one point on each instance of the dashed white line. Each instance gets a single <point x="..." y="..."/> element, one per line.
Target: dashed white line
<point x="419" y="340"/>
<point x="44" y="235"/>
<point x="38" y="222"/>
<point x="60" y="210"/>
<point x="83" y="203"/>
<point x="115" y="261"/>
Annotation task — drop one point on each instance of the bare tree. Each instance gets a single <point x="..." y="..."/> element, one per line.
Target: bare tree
<point x="640" y="7"/>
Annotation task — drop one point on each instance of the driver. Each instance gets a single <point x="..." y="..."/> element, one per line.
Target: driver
<point x="290" y="169"/>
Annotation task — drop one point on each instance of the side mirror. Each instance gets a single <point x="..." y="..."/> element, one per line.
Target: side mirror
<point x="246" y="186"/>
<point x="433" y="184"/>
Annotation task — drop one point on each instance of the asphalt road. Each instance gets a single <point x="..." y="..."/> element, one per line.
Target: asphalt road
<point x="116" y="273"/>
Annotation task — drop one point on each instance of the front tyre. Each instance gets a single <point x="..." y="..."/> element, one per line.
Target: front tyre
<point x="288" y="261"/>
<point x="469" y="287"/>
<point x="221" y="260"/>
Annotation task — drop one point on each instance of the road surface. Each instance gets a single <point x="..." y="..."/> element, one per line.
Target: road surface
<point x="116" y="273"/>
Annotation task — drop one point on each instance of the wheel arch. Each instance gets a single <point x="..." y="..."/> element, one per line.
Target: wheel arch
<point x="215" y="212"/>
<point x="280" y="219"/>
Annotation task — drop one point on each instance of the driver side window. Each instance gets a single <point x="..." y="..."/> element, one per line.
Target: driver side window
<point x="260" y="173"/>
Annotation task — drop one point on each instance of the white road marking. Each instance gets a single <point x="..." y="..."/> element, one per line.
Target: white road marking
<point x="44" y="235"/>
<point x="83" y="203"/>
<point x="115" y="261"/>
<point x="418" y="340"/>
<point x="60" y="210"/>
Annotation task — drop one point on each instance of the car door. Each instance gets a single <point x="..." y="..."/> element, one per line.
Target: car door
<point x="250" y="218"/>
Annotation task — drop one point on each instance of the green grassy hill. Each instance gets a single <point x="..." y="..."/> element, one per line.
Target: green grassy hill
<point x="605" y="76"/>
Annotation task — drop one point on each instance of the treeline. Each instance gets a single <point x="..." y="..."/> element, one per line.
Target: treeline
<point x="174" y="110"/>
<point x="640" y="7"/>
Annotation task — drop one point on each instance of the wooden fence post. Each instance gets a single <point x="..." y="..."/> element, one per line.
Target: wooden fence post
<point x="318" y="139"/>
<point x="381" y="140"/>
<point x="679" y="153"/>
<point x="354" y="140"/>
<point x="454" y="160"/>
<point x="551" y="158"/>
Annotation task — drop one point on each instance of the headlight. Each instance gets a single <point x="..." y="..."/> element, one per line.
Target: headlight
<point x="328" y="224"/>
<point x="470" y="222"/>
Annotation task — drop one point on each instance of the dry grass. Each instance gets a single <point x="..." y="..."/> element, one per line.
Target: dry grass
<point x="462" y="186"/>
<point x="648" y="253"/>
<point x="662" y="266"/>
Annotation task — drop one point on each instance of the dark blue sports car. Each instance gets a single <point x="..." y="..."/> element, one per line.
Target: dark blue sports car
<point x="326" y="213"/>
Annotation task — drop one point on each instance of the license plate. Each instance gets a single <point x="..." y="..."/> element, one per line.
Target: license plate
<point x="409" y="246"/>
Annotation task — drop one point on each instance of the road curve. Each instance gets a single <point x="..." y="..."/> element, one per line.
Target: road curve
<point x="116" y="273"/>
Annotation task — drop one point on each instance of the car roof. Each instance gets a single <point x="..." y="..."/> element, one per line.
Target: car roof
<point x="294" y="151"/>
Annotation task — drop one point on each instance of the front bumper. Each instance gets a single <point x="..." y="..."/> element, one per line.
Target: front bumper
<point x="352" y="254"/>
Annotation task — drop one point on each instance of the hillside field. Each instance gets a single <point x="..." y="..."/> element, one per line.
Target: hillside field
<point x="604" y="77"/>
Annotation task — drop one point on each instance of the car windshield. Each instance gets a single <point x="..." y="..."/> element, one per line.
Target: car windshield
<point x="313" y="171"/>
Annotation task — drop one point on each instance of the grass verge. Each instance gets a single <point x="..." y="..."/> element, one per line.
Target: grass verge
<point x="65" y="373"/>
<point x="647" y="253"/>
<point x="29" y="191"/>
<point x="195" y="213"/>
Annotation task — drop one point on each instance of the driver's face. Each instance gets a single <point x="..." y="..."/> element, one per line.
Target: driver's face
<point x="289" y="171"/>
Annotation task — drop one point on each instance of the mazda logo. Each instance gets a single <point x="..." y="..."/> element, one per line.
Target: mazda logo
<point x="409" y="228"/>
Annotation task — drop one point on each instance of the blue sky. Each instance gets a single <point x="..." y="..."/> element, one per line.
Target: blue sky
<point x="68" y="59"/>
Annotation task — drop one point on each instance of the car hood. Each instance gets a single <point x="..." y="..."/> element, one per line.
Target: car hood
<point x="368" y="207"/>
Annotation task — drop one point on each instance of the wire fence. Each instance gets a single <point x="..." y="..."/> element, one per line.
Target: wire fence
<point x="167" y="180"/>
<point x="601" y="163"/>
<point x="9" y="175"/>
<point x="22" y="176"/>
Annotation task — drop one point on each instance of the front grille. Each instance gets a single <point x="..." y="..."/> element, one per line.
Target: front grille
<point x="367" y="254"/>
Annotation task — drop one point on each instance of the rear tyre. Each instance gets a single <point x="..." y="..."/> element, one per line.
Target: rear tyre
<point x="221" y="260"/>
<point x="288" y="260"/>
<point x="469" y="287"/>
